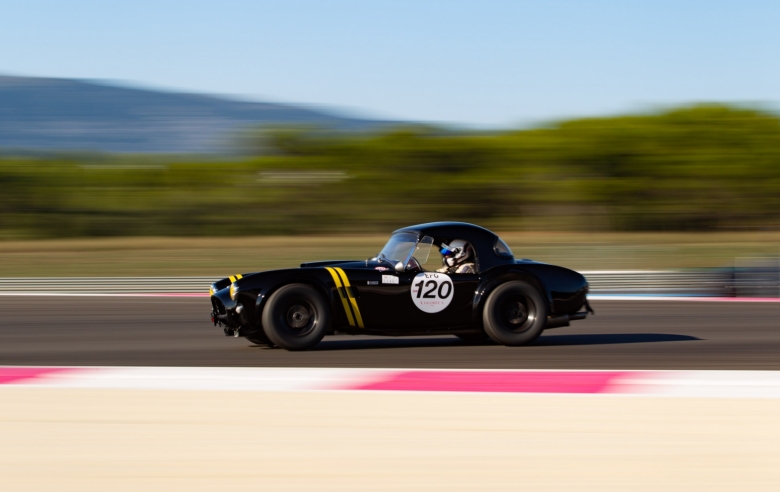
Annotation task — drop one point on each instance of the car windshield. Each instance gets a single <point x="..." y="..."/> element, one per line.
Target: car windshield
<point x="403" y="246"/>
<point x="399" y="247"/>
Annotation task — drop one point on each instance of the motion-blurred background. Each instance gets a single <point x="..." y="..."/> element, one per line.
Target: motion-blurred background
<point x="160" y="145"/>
<point x="186" y="138"/>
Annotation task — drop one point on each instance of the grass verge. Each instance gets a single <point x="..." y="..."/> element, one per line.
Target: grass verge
<point x="221" y="256"/>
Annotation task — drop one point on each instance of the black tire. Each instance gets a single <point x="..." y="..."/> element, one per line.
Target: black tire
<point x="296" y="317"/>
<point x="259" y="338"/>
<point x="515" y="314"/>
<point x="473" y="337"/>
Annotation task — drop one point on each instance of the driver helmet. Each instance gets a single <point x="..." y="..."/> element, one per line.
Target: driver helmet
<point x="456" y="252"/>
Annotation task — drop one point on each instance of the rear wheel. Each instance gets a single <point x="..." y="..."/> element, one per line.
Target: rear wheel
<point x="515" y="313"/>
<point x="473" y="337"/>
<point x="296" y="317"/>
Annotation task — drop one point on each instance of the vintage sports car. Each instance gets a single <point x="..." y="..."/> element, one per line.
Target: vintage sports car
<point x="396" y="293"/>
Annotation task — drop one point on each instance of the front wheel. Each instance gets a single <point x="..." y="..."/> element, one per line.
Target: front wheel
<point x="515" y="314"/>
<point x="259" y="338"/>
<point x="296" y="317"/>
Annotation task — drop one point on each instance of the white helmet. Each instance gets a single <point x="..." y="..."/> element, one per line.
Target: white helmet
<point x="456" y="252"/>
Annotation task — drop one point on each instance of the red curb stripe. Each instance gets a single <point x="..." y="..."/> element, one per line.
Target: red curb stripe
<point x="10" y="375"/>
<point x="497" y="381"/>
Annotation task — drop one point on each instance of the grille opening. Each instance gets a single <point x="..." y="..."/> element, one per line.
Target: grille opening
<point x="218" y="305"/>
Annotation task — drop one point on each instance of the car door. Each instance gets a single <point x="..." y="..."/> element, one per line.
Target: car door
<point x="442" y="300"/>
<point x="417" y="300"/>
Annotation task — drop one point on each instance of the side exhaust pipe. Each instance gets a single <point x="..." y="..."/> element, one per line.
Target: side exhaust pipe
<point x="560" y="321"/>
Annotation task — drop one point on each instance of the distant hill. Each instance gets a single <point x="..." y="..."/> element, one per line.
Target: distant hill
<point x="64" y="114"/>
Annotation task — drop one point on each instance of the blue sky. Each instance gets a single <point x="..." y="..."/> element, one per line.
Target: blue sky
<point x="481" y="63"/>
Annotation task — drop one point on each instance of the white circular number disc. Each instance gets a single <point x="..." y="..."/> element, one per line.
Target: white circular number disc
<point x="432" y="292"/>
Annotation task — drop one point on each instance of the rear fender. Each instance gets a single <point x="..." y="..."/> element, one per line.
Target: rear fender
<point x="491" y="280"/>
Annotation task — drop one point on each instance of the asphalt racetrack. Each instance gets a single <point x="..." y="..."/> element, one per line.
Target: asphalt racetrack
<point x="109" y="438"/>
<point x="172" y="331"/>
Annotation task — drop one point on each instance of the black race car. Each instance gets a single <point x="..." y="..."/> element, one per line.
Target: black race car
<point x="396" y="293"/>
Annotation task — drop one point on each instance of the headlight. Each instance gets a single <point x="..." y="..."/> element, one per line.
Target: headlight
<point x="233" y="291"/>
<point x="212" y="290"/>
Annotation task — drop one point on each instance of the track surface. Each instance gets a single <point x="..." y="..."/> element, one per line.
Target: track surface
<point x="176" y="332"/>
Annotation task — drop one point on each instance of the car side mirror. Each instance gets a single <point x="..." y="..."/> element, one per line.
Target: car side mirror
<point x="399" y="267"/>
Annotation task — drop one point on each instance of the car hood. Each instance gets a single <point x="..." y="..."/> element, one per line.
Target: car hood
<point x="349" y="264"/>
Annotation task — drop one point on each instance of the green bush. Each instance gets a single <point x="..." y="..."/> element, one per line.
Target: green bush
<point x="699" y="168"/>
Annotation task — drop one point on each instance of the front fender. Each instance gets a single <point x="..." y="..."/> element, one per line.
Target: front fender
<point x="564" y="290"/>
<point x="256" y="289"/>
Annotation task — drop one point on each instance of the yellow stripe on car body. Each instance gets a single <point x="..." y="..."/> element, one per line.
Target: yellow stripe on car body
<point x="342" y="295"/>
<point x="352" y="298"/>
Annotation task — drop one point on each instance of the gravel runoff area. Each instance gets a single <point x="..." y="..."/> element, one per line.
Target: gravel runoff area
<point x="129" y="440"/>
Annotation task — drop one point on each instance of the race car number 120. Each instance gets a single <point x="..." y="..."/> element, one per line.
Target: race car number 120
<point x="432" y="292"/>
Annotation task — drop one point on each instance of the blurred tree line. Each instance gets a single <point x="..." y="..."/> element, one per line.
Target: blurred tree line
<point x="693" y="169"/>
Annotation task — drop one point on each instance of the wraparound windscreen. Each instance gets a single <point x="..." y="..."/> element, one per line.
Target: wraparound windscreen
<point x="402" y="246"/>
